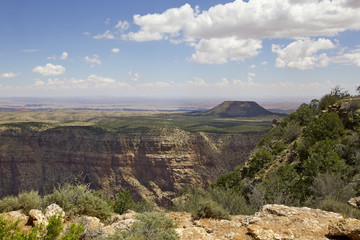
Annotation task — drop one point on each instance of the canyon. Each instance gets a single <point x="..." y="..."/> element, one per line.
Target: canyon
<point x="153" y="164"/>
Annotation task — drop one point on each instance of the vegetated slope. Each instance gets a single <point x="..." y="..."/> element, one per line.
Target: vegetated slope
<point x="311" y="158"/>
<point x="232" y="109"/>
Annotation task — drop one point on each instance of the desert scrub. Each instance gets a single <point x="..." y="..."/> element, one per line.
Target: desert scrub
<point x="81" y="200"/>
<point x="208" y="208"/>
<point x="25" y="200"/>
<point x="11" y="230"/>
<point x="123" y="202"/>
<point x="151" y="225"/>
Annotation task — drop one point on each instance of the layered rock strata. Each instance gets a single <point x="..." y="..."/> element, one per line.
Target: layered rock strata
<point x="152" y="165"/>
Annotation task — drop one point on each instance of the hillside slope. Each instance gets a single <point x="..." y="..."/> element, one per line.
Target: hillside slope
<point x="237" y="109"/>
<point x="310" y="158"/>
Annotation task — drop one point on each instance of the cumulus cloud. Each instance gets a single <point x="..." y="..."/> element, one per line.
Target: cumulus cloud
<point x="105" y="35"/>
<point x="64" y="56"/>
<point x="93" y="60"/>
<point x="122" y="25"/>
<point x="222" y="50"/>
<point x="161" y="26"/>
<point x="115" y="50"/>
<point x="134" y="76"/>
<point x="350" y="58"/>
<point x="49" y="70"/>
<point x="302" y="54"/>
<point x="107" y="21"/>
<point x="9" y="75"/>
<point x="246" y="22"/>
<point x="92" y="81"/>
<point x="254" y="19"/>
<point x="197" y="82"/>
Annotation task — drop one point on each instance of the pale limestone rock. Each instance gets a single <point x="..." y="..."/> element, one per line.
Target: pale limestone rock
<point x="355" y="202"/>
<point x="16" y="216"/>
<point x="54" y="209"/>
<point x="283" y="222"/>
<point x="345" y="229"/>
<point x="92" y="226"/>
<point x="37" y="218"/>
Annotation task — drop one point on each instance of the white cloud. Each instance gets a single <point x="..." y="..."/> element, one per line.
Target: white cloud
<point x="53" y="57"/>
<point x="122" y="25"/>
<point x="93" y="60"/>
<point x="161" y="26"/>
<point x="264" y="63"/>
<point x="197" y="82"/>
<point x="64" y="56"/>
<point x="134" y="76"/>
<point x="302" y="54"/>
<point x="92" y="81"/>
<point x="87" y="33"/>
<point x="49" y="70"/>
<point x="10" y="75"/>
<point x="31" y="50"/>
<point x="241" y="21"/>
<point x="115" y="50"/>
<point x="253" y="66"/>
<point x="223" y="83"/>
<point x="251" y="76"/>
<point x="254" y="19"/>
<point x="155" y="84"/>
<point x="351" y="58"/>
<point x="107" y="21"/>
<point x="222" y="50"/>
<point x="274" y="19"/>
<point x="106" y="35"/>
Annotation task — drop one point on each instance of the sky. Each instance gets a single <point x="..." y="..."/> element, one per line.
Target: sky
<point x="179" y="49"/>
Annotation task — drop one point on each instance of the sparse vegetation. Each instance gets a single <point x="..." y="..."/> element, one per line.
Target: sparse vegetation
<point x="310" y="159"/>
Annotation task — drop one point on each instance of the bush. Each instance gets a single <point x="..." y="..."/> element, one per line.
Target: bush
<point x="30" y="200"/>
<point x="123" y="202"/>
<point x="143" y="206"/>
<point x="230" y="181"/>
<point x="79" y="199"/>
<point x="340" y="207"/>
<point x="331" y="186"/>
<point x="259" y="160"/>
<point x="11" y="230"/>
<point x="207" y="208"/>
<point x="152" y="225"/>
<point x="233" y="203"/>
<point x="291" y="131"/>
<point x="25" y="200"/>
<point x="9" y="203"/>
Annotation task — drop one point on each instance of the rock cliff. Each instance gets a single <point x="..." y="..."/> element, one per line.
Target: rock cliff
<point x="152" y="165"/>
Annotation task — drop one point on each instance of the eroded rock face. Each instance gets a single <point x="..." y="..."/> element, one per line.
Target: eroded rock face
<point x="282" y="222"/>
<point x="153" y="165"/>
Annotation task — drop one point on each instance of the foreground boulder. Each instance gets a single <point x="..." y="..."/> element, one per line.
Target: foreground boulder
<point x="345" y="229"/>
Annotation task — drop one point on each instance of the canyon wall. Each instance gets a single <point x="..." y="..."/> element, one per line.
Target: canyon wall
<point x="152" y="165"/>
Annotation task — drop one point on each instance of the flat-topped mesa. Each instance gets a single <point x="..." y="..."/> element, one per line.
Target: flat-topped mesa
<point x="238" y="109"/>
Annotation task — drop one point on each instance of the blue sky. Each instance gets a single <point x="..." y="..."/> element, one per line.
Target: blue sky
<point x="226" y="49"/>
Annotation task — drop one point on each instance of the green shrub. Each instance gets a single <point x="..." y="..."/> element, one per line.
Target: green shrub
<point x="123" y="202"/>
<point x="79" y="199"/>
<point x="54" y="228"/>
<point x="208" y="208"/>
<point x="259" y="160"/>
<point x="143" y="206"/>
<point x="9" y="203"/>
<point x="152" y="225"/>
<point x="328" y="126"/>
<point x="230" y="181"/>
<point x="30" y="200"/>
<point x="291" y="131"/>
<point x="189" y="199"/>
<point x="340" y="207"/>
<point x="74" y="232"/>
<point x="233" y="203"/>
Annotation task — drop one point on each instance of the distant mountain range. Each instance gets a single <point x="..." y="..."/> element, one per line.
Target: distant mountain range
<point x="232" y="109"/>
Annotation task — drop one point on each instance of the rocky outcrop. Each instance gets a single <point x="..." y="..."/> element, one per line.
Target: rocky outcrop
<point x="272" y="222"/>
<point x="152" y="164"/>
